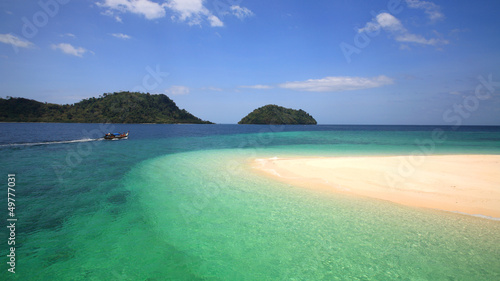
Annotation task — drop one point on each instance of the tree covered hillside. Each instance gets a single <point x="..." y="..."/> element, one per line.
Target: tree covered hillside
<point x="121" y="107"/>
<point x="273" y="114"/>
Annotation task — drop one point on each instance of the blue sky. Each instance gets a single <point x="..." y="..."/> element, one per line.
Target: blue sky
<point x="345" y="62"/>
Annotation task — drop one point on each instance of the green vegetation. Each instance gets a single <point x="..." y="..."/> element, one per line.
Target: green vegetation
<point x="273" y="114"/>
<point x="121" y="107"/>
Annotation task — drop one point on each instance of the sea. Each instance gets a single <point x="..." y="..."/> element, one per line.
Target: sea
<point x="181" y="202"/>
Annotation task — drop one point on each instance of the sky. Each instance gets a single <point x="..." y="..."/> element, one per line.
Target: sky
<point x="395" y="62"/>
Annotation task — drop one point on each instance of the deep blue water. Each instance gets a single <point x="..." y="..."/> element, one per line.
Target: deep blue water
<point x="34" y="133"/>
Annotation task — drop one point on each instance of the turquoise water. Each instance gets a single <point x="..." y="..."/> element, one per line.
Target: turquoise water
<point x="184" y="205"/>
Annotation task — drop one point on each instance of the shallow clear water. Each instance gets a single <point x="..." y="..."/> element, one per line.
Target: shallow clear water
<point x="179" y="202"/>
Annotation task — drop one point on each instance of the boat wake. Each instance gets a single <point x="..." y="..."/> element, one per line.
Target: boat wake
<point x="49" y="142"/>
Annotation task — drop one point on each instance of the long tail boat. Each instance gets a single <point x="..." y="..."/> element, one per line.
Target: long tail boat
<point x="116" y="136"/>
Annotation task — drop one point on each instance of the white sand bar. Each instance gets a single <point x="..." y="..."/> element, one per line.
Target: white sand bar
<point x="458" y="183"/>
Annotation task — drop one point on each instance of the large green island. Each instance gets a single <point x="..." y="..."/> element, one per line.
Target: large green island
<point x="120" y="107"/>
<point x="277" y="115"/>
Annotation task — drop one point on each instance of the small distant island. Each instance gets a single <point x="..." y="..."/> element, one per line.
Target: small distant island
<point x="277" y="115"/>
<point x="119" y="107"/>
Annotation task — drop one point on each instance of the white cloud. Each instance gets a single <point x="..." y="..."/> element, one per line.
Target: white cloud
<point x="212" y="89"/>
<point x="69" y="35"/>
<point x="330" y="84"/>
<point x="110" y="13"/>
<point x="121" y="35"/>
<point x="187" y="8"/>
<point x="192" y="12"/>
<point x="15" y="41"/>
<point x="147" y="8"/>
<point x="177" y="90"/>
<point x="413" y="38"/>
<point x="384" y="21"/>
<point x="392" y="25"/>
<point x="69" y="49"/>
<point x="215" y="21"/>
<point x="259" y="87"/>
<point x="338" y="84"/>
<point x="432" y="10"/>
<point x="241" y="12"/>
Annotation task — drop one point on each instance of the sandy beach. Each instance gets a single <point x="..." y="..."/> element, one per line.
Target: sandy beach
<point x="457" y="183"/>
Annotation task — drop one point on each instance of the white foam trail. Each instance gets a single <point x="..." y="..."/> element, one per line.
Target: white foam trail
<point x="50" y="142"/>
